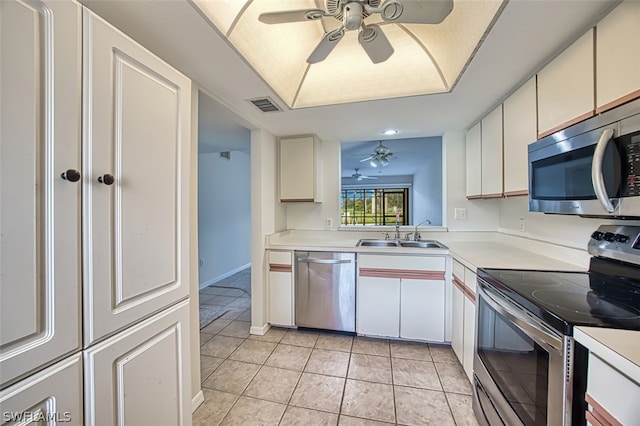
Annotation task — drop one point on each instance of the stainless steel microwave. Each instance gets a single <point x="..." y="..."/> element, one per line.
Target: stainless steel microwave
<point x="590" y="169"/>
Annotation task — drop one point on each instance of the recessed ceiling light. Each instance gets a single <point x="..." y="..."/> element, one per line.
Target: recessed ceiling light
<point x="390" y="132"/>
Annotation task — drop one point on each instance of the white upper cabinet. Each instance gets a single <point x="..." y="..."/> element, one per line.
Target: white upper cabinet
<point x="520" y="129"/>
<point x="473" y="161"/>
<point x="299" y="169"/>
<point x="566" y="87"/>
<point x="618" y="56"/>
<point x="491" y="142"/>
<point x="136" y="181"/>
<point x="39" y="211"/>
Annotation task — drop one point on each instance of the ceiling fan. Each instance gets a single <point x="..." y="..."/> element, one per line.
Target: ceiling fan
<point x="352" y="14"/>
<point x="380" y="157"/>
<point x="358" y="176"/>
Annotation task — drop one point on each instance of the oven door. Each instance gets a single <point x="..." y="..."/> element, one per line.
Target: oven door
<point x="519" y="365"/>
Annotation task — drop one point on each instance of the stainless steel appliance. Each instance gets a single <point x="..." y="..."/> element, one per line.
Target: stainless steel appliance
<point x="590" y="169"/>
<point x="527" y="368"/>
<point x="325" y="287"/>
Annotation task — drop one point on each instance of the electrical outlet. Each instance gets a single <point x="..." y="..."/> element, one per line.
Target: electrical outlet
<point x="460" y="214"/>
<point x="201" y="262"/>
<point x="329" y="222"/>
<point x="523" y="226"/>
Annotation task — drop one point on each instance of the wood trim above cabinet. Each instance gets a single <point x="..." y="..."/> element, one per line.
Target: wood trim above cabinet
<point x="496" y="195"/>
<point x="297" y="200"/>
<point x="279" y="267"/>
<point x="516" y="193"/>
<point x="402" y="273"/>
<point x="623" y="100"/>
<point x="474" y="197"/>
<point x="566" y="124"/>
<point x="599" y="413"/>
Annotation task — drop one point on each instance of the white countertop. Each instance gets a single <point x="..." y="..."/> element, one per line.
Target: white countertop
<point x="618" y="348"/>
<point x="473" y="249"/>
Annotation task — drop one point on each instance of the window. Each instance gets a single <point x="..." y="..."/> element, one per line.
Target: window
<point x="373" y="206"/>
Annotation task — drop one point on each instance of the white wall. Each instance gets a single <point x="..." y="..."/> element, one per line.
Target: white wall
<point x="267" y="217"/>
<point x="482" y="215"/>
<point x="571" y="231"/>
<point x="427" y="188"/>
<point x="224" y="215"/>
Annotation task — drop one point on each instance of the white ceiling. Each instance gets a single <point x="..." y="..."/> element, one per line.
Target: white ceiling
<point x="219" y="129"/>
<point x="526" y="36"/>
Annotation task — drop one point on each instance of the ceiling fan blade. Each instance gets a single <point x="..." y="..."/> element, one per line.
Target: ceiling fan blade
<point x="326" y="45"/>
<point x="367" y="159"/>
<point x="375" y="43"/>
<point x="291" y="16"/>
<point x="416" y="11"/>
<point x="368" y="177"/>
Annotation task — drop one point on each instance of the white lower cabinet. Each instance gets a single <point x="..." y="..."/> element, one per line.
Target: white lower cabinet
<point x="140" y="376"/>
<point x="281" y="294"/>
<point x="378" y="306"/>
<point x="422" y="313"/>
<point x="463" y="316"/>
<point x="51" y="396"/>
<point x="401" y="296"/>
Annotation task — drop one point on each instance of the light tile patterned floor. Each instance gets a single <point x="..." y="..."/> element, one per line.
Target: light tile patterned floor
<point x="295" y="377"/>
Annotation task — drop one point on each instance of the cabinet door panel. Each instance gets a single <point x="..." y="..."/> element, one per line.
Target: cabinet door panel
<point x="422" y="309"/>
<point x="617" y="60"/>
<point x="281" y="298"/>
<point x="491" y="169"/>
<point x="457" y="322"/>
<point x="39" y="211"/>
<point x="566" y="87"/>
<point x="520" y="129"/>
<point x="137" y="129"/>
<point x="469" y="346"/>
<point x="141" y="376"/>
<point x="51" y="396"/>
<point x="378" y="306"/>
<point x="474" y="161"/>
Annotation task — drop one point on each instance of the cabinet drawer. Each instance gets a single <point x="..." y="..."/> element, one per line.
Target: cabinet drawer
<point x="280" y="257"/>
<point x="429" y="263"/>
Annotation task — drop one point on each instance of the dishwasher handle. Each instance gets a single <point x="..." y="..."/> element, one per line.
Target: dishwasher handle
<point x="323" y="261"/>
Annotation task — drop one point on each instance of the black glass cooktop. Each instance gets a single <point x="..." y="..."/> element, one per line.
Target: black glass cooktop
<point x="608" y="296"/>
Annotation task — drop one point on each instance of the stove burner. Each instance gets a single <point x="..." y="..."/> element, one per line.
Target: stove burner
<point x="529" y="278"/>
<point x="593" y="305"/>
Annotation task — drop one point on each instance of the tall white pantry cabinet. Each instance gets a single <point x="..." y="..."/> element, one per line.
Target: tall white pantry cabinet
<point x="94" y="155"/>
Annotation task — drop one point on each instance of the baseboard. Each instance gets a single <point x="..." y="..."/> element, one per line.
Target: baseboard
<point x="197" y="401"/>
<point x="223" y="276"/>
<point x="260" y="331"/>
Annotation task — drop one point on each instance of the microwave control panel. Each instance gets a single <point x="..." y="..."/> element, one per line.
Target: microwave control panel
<point x="631" y="144"/>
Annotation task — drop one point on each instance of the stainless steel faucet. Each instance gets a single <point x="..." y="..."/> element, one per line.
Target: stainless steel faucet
<point x="416" y="234"/>
<point x="397" y="235"/>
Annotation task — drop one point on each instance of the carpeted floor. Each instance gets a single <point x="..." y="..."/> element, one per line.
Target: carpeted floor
<point x="229" y="294"/>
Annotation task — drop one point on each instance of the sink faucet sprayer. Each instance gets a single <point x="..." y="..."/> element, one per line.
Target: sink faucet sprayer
<point x="397" y="234"/>
<point x="416" y="234"/>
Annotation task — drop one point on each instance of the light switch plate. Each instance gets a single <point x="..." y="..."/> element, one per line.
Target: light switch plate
<point x="460" y="213"/>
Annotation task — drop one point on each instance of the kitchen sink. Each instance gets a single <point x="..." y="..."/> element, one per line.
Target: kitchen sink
<point x="423" y="244"/>
<point x="377" y="243"/>
<point x="401" y="243"/>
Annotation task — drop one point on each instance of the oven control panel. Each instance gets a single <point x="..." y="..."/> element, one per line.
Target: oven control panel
<point x="619" y="242"/>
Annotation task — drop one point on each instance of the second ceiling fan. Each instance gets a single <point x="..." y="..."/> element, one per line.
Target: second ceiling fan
<point x="352" y="14"/>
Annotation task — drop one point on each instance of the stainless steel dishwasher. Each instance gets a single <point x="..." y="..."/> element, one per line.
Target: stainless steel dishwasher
<point x="326" y="290"/>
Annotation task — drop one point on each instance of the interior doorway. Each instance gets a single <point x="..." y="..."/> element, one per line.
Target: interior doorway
<point x="224" y="213"/>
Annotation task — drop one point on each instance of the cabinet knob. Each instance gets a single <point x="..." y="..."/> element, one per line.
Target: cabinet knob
<point x="71" y="175"/>
<point x="106" y="179"/>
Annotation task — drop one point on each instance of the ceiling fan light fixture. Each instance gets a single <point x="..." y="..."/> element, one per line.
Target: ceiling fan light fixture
<point x="425" y="44"/>
<point x="384" y="162"/>
<point x="374" y="162"/>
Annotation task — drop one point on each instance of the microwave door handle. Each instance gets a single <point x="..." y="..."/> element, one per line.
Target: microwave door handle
<point x="596" y="171"/>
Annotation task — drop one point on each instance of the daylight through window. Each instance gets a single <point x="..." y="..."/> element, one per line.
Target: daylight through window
<point x="374" y="206"/>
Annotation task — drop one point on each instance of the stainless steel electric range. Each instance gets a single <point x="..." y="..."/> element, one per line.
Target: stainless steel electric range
<point x="527" y="368"/>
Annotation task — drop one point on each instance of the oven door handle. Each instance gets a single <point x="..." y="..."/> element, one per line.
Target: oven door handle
<point x="596" y="171"/>
<point x="528" y="325"/>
